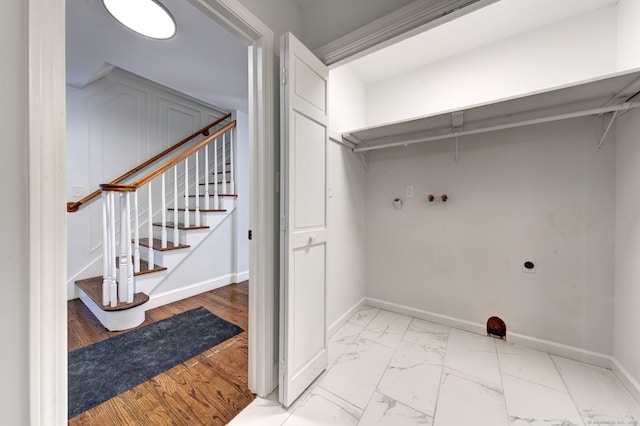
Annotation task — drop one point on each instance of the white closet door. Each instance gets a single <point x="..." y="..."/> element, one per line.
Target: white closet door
<point x="304" y="135"/>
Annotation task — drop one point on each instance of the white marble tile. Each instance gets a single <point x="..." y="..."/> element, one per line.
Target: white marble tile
<point x="413" y="375"/>
<point x="387" y="328"/>
<point x="323" y="408"/>
<point x="529" y="403"/>
<point x="385" y="411"/>
<point x="599" y="395"/>
<point x="357" y="372"/>
<point x="340" y="341"/>
<point x="364" y="316"/>
<point x="423" y="332"/>
<point x="474" y="355"/>
<point x="528" y="364"/>
<point x="262" y="412"/>
<point x="463" y="402"/>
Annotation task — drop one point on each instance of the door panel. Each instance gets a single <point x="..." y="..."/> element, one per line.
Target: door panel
<point x="303" y="242"/>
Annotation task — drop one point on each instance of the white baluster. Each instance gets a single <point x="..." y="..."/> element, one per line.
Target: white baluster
<point x="106" y="250"/>
<point x="206" y="177"/>
<point x="113" y="291"/>
<point x="130" y="280"/>
<point x="186" y="192"/>
<point x="232" y="183"/>
<point x="163" y="200"/>
<point x="224" y="164"/>
<point x="136" y="234"/>
<point x="216" y="201"/>
<point x="197" y="211"/>
<point x="125" y="260"/>
<point x="150" y="253"/>
<point x="176" y="235"/>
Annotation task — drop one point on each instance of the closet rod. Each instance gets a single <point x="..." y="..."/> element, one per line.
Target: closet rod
<point x="595" y="111"/>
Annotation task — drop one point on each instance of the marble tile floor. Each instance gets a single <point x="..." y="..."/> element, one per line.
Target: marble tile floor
<point x="391" y="369"/>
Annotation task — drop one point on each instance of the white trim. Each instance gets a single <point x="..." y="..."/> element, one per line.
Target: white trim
<point x="626" y="378"/>
<point x="47" y="214"/>
<point x="263" y="369"/>
<point x="344" y="318"/>
<point x="161" y="299"/>
<point x="403" y="23"/>
<point x="239" y="277"/>
<point x="548" y="346"/>
<point x="47" y="224"/>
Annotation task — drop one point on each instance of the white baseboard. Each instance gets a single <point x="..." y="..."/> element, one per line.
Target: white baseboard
<point x="161" y="299"/>
<point x="344" y="318"/>
<point x="578" y="354"/>
<point x="428" y="316"/>
<point x="626" y="378"/>
<point x="239" y="277"/>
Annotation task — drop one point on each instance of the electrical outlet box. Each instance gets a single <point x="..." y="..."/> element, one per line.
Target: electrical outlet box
<point x="529" y="266"/>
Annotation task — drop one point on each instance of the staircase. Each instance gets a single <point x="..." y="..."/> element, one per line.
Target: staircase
<point x="187" y="196"/>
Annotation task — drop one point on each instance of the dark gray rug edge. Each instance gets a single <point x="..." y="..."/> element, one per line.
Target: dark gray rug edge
<point x="105" y="369"/>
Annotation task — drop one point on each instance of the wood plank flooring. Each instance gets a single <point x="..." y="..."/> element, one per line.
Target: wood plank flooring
<point x="209" y="389"/>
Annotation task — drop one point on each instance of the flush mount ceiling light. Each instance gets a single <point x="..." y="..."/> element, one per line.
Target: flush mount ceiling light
<point x="146" y="17"/>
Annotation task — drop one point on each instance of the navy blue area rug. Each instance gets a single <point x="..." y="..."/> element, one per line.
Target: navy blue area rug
<point x="105" y="369"/>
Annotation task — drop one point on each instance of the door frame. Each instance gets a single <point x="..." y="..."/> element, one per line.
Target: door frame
<point x="47" y="187"/>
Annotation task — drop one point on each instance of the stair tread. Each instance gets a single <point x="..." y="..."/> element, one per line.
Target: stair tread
<point x="144" y="267"/>
<point x="157" y="245"/>
<point x="182" y="226"/>
<point x="93" y="288"/>
<point x="201" y="210"/>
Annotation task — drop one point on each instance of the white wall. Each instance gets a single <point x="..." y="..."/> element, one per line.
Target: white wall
<point x="540" y="192"/>
<point x="628" y="34"/>
<point x="347" y="100"/>
<point x="565" y="52"/>
<point x="346" y="204"/>
<point x="14" y="385"/>
<point x="627" y="267"/>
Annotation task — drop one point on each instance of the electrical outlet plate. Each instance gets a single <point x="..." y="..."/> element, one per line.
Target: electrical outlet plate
<point x="410" y="191"/>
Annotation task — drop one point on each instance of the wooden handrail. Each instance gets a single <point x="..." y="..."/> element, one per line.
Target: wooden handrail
<point x="75" y="206"/>
<point x="166" y="166"/>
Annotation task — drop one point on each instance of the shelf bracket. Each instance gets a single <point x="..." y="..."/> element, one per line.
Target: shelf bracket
<point x="606" y="131"/>
<point x="364" y="158"/>
<point x="457" y="123"/>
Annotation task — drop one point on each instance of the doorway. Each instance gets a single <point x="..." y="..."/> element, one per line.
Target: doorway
<point x="47" y="187"/>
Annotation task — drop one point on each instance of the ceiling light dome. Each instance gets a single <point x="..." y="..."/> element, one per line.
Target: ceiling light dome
<point x="146" y="17"/>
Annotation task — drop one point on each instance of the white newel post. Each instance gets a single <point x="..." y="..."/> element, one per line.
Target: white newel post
<point x="113" y="290"/>
<point x="106" y="249"/>
<point x="129" y="288"/>
<point x="136" y="234"/>
<point x="232" y="181"/>
<point x="124" y="258"/>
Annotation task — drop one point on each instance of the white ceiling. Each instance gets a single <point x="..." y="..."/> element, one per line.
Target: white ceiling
<point x="206" y="62"/>
<point x="202" y="60"/>
<point x="499" y="20"/>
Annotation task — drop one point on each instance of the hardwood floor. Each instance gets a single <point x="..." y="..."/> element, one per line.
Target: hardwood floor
<point x="209" y="389"/>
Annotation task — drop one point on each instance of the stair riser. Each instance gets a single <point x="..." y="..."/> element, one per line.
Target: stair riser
<point x="115" y="320"/>
<point x="188" y="237"/>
